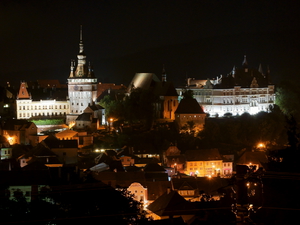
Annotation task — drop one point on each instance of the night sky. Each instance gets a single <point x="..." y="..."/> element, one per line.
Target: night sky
<point x="198" y="39"/>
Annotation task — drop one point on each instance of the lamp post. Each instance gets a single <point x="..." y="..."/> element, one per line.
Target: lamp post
<point x="110" y="123"/>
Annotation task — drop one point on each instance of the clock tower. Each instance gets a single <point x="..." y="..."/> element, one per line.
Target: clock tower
<point x="82" y="85"/>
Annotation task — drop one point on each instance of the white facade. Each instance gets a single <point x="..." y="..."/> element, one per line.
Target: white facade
<point x="82" y="93"/>
<point x="242" y="90"/>
<point x="236" y="100"/>
<point x="27" y="108"/>
<point x="82" y="85"/>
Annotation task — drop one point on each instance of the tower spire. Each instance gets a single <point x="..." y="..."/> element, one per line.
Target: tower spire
<point x="164" y="75"/>
<point x="245" y="63"/>
<point x="72" y="68"/>
<point x="80" y="41"/>
<point x="260" y="69"/>
<point x="81" y="70"/>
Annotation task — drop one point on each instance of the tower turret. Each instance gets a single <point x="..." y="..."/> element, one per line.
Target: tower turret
<point x="260" y="69"/>
<point x="72" y="68"/>
<point x="164" y="75"/>
<point x="245" y="63"/>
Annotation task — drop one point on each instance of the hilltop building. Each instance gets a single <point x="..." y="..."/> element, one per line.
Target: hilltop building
<point x="37" y="101"/>
<point x="243" y="90"/>
<point x="76" y="102"/>
<point x="168" y="97"/>
<point x="82" y="86"/>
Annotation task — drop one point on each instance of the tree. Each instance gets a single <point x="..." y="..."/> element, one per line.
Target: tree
<point x="113" y="108"/>
<point x="287" y="98"/>
<point x="139" y="107"/>
<point x="82" y="203"/>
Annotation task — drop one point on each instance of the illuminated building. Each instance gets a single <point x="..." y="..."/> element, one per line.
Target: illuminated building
<point x="139" y="192"/>
<point x="20" y="132"/>
<point x="204" y="162"/>
<point x="190" y="111"/>
<point x="40" y="104"/>
<point x="82" y="87"/>
<point x="242" y="90"/>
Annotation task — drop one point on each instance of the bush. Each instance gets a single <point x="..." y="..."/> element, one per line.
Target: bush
<point x="48" y="122"/>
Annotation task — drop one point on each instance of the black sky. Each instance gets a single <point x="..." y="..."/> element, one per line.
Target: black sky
<point x="192" y="38"/>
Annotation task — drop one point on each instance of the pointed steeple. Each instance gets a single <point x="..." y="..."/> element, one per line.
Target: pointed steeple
<point x="233" y="71"/>
<point x="81" y="70"/>
<point x="23" y="93"/>
<point x="81" y="50"/>
<point x="164" y="75"/>
<point x="260" y="69"/>
<point x="245" y="63"/>
<point x="72" y="68"/>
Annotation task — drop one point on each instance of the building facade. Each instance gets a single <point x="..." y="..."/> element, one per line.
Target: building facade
<point x="243" y="90"/>
<point x="82" y="85"/>
<point x="28" y="108"/>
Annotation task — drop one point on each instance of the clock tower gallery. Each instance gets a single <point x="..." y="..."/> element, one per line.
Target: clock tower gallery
<point x="82" y="85"/>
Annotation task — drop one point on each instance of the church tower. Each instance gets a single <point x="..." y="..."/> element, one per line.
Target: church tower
<point x="82" y="84"/>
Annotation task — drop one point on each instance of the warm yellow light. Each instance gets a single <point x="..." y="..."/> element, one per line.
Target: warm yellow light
<point x="111" y="119"/>
<point x="261" y="145"/>
<point x="71" y="124"/>
<point x="10" y="140"/>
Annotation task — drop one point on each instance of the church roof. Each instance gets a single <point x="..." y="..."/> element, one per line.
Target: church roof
<point x="143" y="80"/>
<point x="165" y="89"/>
<point x="189" y="106"/>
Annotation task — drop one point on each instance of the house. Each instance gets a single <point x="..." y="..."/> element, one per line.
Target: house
<point x="6" y="153"/>
<point x="204" y="162"/>
<point x="20" y="132"/>
<point x="40" y="155"/>
<point x="92" y="118"/>
<point x="83" y="138"/>
<point x="140" y="193"/>
<point x="199" y="188"/>
<point x="189" y="111"/>
<point x="253" y="159"/>
<point x="171" y="204"/>
<point x="66" y="150"/>
<point x="174" y="159"/>
<point x="127" y="160"/>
